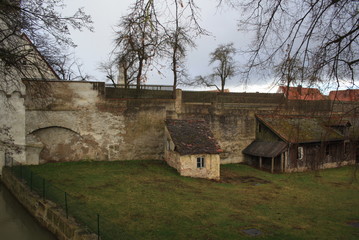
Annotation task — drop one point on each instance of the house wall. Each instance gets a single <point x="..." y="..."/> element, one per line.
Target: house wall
<point x="211" y="170"/>
<point x="319" y="156"/>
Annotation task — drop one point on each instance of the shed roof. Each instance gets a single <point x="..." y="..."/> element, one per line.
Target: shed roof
<point x="192" y="137"/>
<point x="300" y="129"/>
<point x="265" y="149"/>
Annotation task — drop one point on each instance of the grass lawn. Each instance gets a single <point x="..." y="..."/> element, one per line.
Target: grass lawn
<point x="149" y="200"/>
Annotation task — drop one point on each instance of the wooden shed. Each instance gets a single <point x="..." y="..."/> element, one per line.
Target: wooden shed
<point x="296" y="143"/>
<point x="191" y="148"/>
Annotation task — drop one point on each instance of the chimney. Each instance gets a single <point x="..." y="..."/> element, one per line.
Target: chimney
<point x="299" y="89"/>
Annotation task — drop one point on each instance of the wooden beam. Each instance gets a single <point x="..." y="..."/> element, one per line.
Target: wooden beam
<point x="281" y="162"/>
<point x="260" y="162"/>
<point x="272" y="168"/>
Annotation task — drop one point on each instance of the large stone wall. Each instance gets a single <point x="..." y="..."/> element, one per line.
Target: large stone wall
<point x="80" y="120"/>
<point x="76" y="122"/>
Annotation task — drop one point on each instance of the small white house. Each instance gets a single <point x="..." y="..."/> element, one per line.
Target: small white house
<point x="191" y="148"/>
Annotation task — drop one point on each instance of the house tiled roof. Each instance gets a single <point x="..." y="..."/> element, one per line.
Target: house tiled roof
<point x="192" y="137"/>
<point x="301" y="93"/>
<point x="345" y="95"/>
<point x="300" y="129"/>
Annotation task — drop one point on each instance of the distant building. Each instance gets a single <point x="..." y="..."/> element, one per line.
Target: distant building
<point x="345" y="95"/>
<point x="301" y="93"/>
<point x="190" y="148"/>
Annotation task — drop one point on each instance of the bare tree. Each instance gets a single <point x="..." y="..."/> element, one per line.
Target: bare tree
<point x="68" y="67"/>
<point x="179" y="35"/>
<point x="44" y="25"/>
<point x="137" y="38"/>
<point x="321" y="34"/>
<point x="225" y="68"/>
<point x="121" y="68"/>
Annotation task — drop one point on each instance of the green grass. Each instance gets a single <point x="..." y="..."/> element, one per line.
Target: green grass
<point x="149" y="200"/>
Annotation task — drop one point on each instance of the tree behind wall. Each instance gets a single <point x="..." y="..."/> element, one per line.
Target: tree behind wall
<point x="178" y="36"/>
<point x="44" y="25"/>
<point x="225" y="67"/>
<point x="321" y="34"/>
<point x="137" y="39"/>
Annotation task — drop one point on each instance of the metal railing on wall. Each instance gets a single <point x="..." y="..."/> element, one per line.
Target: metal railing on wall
<point x="143" y="87"/>
<point x="71" y="205"/>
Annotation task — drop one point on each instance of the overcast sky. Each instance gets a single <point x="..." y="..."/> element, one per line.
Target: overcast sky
<point x="94" y="47"/>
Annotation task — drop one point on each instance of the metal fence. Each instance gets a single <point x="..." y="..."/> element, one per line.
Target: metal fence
<point x="72" y="205"/>
<point x="143" y="87"/>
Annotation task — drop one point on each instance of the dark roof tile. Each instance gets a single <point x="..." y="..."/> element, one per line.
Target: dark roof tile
<point x="192" y="137"/>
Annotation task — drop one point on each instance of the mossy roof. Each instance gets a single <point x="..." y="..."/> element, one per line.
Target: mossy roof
<point x="300" y="129"/>
<point x="192" y="137"/>
<point x="265" y="149"/>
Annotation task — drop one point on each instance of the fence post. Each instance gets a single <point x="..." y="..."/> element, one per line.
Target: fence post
<point x="43" y="189"/>
<point x="98" y="226"/>
<point x="31" y="181"/>
<point x="66" y="209"/>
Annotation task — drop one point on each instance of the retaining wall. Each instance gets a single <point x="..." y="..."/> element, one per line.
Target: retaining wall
<point x="47" y="213"/>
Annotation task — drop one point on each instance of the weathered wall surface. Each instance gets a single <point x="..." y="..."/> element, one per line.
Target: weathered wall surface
<point x="12" y="116"/>
<point x="211" y="169"/>
<point x="80" y="120"/>
<point x="233" y="126"/>
<point x="46" y="212"/>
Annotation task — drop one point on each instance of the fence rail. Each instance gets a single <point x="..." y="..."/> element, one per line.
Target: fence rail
<point x="72" y="205"/>
<point x="142" y="87"/>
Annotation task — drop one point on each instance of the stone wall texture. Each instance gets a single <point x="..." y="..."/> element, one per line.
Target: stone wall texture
<point x="86" y="120"/>
<point x="211" y="170"/>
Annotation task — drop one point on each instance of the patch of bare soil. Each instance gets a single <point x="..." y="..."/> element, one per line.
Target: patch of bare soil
<point x="228" y="176"/>
<point x="354" y="224"/>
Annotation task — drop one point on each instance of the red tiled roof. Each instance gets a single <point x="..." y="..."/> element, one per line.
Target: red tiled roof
<point x="192" y="137"/>
<point x="301" y="93"/>
<point x="345" y="95"/>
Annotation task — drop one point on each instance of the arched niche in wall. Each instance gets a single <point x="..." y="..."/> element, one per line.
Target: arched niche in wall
<point x="61" y="144"/>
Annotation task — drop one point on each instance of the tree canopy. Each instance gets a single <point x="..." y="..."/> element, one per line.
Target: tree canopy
<point x="48" y="29"/>
<point x="320" y="34"/>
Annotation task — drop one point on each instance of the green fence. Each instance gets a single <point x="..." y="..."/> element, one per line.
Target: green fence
<point x="72" y="205"/>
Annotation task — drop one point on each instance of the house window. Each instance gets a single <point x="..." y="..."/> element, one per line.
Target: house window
<point x="300" y="153"/>
<point x="200" y="162"/>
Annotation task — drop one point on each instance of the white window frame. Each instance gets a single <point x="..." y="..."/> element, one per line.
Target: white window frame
<point x="201" y="162"/>
<point x="300" y="153"/>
